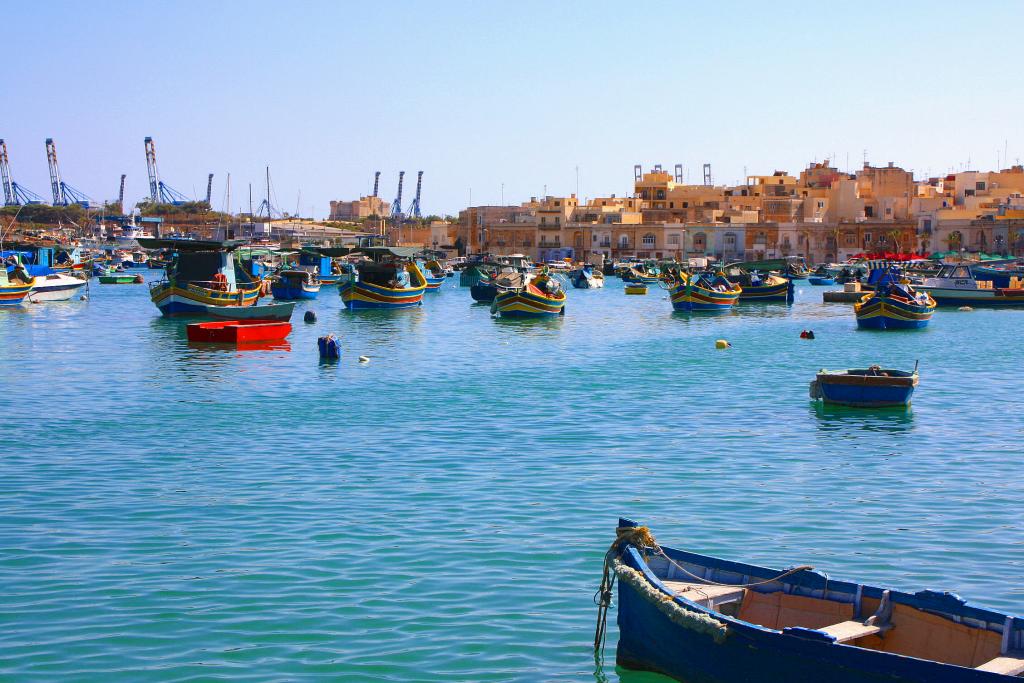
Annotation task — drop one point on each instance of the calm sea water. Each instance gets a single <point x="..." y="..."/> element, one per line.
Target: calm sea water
<point x="169" y="512"/>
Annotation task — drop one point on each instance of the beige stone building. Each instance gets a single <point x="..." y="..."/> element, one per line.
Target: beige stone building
<point x="358" y="209"/>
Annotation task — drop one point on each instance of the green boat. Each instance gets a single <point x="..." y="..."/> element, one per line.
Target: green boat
<point x="120" y="279"/>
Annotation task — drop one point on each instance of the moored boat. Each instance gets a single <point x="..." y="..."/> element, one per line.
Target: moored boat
<point x="115" y="278"/>
<point x="291" y="285"/>
<point x="538" y="297"/>
<point x="958" y="285"/>
<point x="635" y="288"/>
<point x="695" y="617"/>
<point x="873" y="387"/>
<point x="13" y="290"/>
<point x="702" y="292"/>
<point x="760" y="287"/>
<point x="204" y="273"/>
<point x="55" y="287"/>
<point x="389" y="280"/>
<point x="586" y="277"/>
<point x="434" y="274"/>
<point x="894" y="305"/>
<point x="238" y="331"/>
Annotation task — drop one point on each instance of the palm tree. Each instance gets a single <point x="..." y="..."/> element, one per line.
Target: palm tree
<point x="894" y="235"/>
<point x="954" y="240"/>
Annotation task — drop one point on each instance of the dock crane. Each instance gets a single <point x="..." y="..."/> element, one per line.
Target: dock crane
<point x="159" y="191"/>
<point x="396" y="208"/>
<point x="265" y="205"/>
<point x="376" y="182"/>
<point x="120" y="194"/>
<point x="63" y="194"/>
<point x="209" y="189"/>
<point x="414" y="208"/>
<point x="14" y="194"/>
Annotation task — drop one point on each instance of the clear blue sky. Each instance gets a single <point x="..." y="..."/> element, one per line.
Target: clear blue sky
<point x="477" y="94"/>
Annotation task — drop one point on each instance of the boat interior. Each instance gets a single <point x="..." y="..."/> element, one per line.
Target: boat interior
<point x="390" y="274"/>
<point x="926" y="625"/>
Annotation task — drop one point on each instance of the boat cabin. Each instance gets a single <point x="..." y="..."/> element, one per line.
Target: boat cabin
<point x="208" y="264"/>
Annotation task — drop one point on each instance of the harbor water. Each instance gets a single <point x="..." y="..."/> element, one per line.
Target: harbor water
<point x="180" y="512"/>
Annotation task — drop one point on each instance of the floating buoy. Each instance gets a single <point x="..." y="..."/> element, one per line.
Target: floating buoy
<point x="722" y="344"/>
<point x="364" y="359"/>
<point x="83" y="298"/>
<point x="803" y="334"/>
<point x="965" y="309"/>
<point x="309" y="317"/>
<point x="330" y="347"/>
<point x="810" y="334"/>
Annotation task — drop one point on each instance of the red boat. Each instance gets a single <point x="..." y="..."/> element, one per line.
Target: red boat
<point x="239" y="331"/>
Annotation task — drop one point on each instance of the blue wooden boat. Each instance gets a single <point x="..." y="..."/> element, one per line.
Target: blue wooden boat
<point x="586" y="277"/>
<point x="520" y="296"/>
<point x="894" y="305"/>
<point x="434" y="273"/>
<point x="292" y="285"/>
<point x="319" y="262"/>
<point x="873" y="387"/>
<point x="702" y="619"/>
<point x="821" y="280"/>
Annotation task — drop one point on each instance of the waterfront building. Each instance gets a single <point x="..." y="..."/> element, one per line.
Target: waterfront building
<point x="358" y="209"/>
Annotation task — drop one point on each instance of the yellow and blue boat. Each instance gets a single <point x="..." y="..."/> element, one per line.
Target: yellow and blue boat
<point x="757" y="287"/>
<point x="636" y="288"/>
<point x="540" y="297"/>
<point x="434" y="273"/>
<point x="894" y="305"/>
<point x="389" y="280"/>
<point x="13" y="292"/>
<point x="203" y="274"/>
<point x="702" y="292"/>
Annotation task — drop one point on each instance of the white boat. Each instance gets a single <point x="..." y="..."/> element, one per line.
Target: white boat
<point x="55" y="287"/>
<point x="957" y="285"/>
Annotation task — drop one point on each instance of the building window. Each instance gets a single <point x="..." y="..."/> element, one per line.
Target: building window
<point x="730" y="240"/>
<point x="821" y="204"/>
<point x="623" y="241"/>
<point x="558" y="220"/>
<point x="700" y="241"/>
<point x="686" y="205"/>
<point x="673" y="239"/>
<point x="660" y="194"/>
<point x="648" y="240"/>
<point x="867" y="238"/>
<point x="980" y="186"/>
<point x="543" y="220"/>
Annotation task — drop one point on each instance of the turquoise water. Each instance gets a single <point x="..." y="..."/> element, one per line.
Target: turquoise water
<point x="182" y="513"/>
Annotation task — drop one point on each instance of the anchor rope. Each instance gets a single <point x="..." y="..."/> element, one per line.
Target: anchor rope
<point x="641" y="537"/>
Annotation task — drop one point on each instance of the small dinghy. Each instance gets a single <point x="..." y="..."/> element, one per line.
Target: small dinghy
<point x="238" y="331"/>
<point x="636" y="288"/>
<point x="873" y="387"/>
<point x="698" y="618"/>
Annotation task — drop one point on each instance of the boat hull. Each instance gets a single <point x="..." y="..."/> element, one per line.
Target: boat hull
<point x="525" y="304"/>
<point x="14" y="295"/>
<point x="362" y="295"/>
<point x="238" y="331"/>
<point x="434" y="283"/>
<point x="861" y="391"/>
<point x="690" y="299"/>
<point x="821" y="281"/>
<point x="782" y="291"/>
<point x="55" y="288"/>
<point x="289" y="293"/>
<point x="884" y="313"/>
<point x="173" y="300"/>
<point x="945" y="296"/>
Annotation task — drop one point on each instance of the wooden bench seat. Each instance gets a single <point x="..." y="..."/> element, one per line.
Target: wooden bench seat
<point x="846" y="631"/>
<point x="1009" y="664"/>
<point x="705" y="594"/>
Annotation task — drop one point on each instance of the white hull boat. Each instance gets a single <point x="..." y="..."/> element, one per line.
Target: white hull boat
<point x="55" y="287"/>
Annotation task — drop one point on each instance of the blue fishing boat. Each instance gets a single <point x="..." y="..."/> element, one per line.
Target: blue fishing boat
<point x="703" y="619"/>
<point x="292" y="285"/>
<point x="873" y="387"/>
<point x="702" y="292"/>
<point x="894" y="305"/>
<point x="524" y="297"/>
<point x="318" y="262"/>
<point x="434" y="273"/>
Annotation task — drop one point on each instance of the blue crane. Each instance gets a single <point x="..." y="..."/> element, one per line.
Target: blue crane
<point x="63" y="194"/>
<point x="414" y="208"/>
<point x="14" y="194"/>
<point x="396" y="208"/>
<point x="376" y="182"/>
<point x="159" y="191"/>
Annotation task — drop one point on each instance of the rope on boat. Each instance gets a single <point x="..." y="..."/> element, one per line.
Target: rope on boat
<point x="641" y="537"/>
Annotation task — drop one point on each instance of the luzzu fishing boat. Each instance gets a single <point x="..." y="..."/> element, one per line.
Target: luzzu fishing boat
<point x="435" y="274"/>
<point x="539" y="297"/>
<point x="699" y="618"/>
<point x="894" y="305"/>
<point x="635" y="288"/>
<point x="757" y="287"/>
<point x="586" y="277"/>
<point x="702" y="292"/>
<point x="389" y="280"/>
<point x="320" y="263"/>
<point x="641" y="273"/>
<point x="204" y="273"/>
<point x="13" y="291"/>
